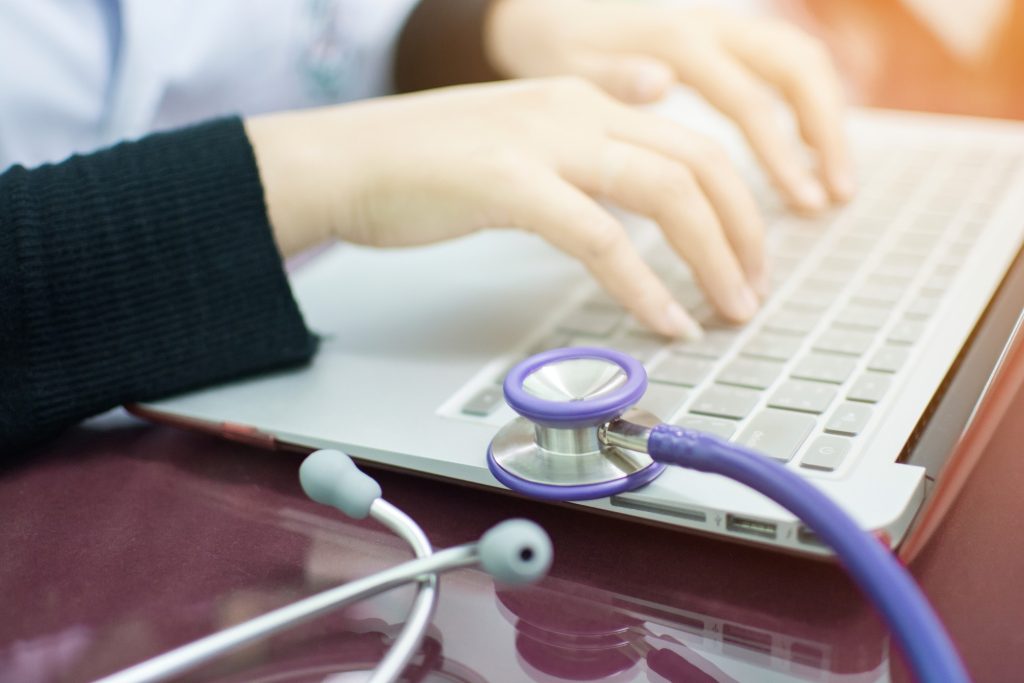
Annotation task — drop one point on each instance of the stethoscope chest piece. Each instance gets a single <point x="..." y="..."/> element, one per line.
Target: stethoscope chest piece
<point x="564" y="398"/>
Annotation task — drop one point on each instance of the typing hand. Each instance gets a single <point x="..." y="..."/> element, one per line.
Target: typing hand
<point x="637" y="50"/>
<point x="531" y="154"/>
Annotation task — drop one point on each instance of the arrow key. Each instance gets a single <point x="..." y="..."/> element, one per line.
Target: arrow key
<point x="849" y="419"/>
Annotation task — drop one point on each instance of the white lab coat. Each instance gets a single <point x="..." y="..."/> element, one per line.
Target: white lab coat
<point x="77" y="75"/>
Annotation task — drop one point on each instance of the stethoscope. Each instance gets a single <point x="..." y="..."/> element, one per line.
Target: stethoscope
<point x="578" y="437"/>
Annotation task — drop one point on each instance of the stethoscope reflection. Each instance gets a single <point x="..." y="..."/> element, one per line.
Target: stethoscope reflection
<point x="566" y="635"/>
<point x="349" y="658"/>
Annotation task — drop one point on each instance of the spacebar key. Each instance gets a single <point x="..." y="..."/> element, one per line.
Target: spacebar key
<point x="777" y="433"/>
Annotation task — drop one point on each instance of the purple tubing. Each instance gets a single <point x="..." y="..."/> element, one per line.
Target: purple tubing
<point x="924" y="641"/>
<point x="570" y="414"/>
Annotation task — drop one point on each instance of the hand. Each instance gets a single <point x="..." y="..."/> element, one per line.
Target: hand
<point x="637" y="50"/>
<point x="414" y="169"/>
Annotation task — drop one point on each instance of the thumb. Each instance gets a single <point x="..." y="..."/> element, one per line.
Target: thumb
<point x="636" y="79"/>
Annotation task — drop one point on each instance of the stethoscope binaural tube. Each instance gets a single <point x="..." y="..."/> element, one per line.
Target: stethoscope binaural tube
<point x="554" y="389"/>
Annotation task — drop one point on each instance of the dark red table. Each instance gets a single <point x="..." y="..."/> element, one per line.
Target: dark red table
<point x="124" y="541"/>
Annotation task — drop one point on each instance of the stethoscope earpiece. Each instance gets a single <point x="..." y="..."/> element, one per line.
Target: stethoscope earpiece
<point x="330" y="477"/>
<point x="516" y="552"/>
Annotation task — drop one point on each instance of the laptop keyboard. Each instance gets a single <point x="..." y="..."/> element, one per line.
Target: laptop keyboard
<point x="854" y="293"/>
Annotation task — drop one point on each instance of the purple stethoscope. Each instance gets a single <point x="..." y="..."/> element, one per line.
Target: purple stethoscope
<point x="579" y="437"/>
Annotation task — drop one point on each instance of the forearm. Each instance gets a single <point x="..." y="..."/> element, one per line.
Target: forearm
<point x="133" y="273"/>
<point x="443" y="44"/>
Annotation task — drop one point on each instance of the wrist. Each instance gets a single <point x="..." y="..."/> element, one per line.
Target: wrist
<point x="290" y="212"/>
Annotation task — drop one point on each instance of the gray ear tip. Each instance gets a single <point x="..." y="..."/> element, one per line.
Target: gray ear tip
<point x="320" y="467"/>
<point x="330" y="477"/>
<point x="516" y="551"/>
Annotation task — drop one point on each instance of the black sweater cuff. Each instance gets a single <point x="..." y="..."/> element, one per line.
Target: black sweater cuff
<point x="134" y="273"/>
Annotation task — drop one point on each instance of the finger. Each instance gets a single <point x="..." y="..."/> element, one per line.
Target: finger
<point x="731" y="88"/>
<point x="718" y="178"/>
<point x="573" y="222"/>
<point x="666" y="191"/>
<point x="636" y="79"/>
<point x="801" y="68"/>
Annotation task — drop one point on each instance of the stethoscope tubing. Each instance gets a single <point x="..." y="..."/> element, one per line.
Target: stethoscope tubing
<point x="927" y="645"/>
<point x="416" y="624"/>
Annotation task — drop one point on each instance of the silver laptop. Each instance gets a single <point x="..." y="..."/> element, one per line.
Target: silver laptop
<point x="843" y="374"/>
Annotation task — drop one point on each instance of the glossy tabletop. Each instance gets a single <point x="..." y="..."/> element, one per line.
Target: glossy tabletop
<point x="122" y="539"/>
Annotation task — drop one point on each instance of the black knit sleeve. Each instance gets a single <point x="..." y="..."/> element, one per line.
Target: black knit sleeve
<point x="136" y="272"/>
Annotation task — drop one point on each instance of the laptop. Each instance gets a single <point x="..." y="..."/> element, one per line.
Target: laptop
<point x="877" y="309"/>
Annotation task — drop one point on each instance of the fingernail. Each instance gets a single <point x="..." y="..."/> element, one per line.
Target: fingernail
<point x="762" y="282"/>
<point x="811" y="194"/>
<point x="679" y="324"/>
<point x="843" y="183"/>
<point x="744" y="303"/>
<point x="649" y="83"/>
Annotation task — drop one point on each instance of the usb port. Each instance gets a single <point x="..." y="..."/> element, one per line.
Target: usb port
<point x="808" y="537"/>
<point x="751" y="527"/>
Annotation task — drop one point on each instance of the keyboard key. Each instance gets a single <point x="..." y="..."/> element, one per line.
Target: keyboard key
<point x="840" y="263"/>
<point x="686" y="371"/>
<point x="807" y="397"/>
<point x="555" y="340"/>
<point x="664" y="400"/>
<point x="598" y="321"/>
<point x="835" y="278"/>
<point x="713" y="344"/>
<point x="849" y="418"/>
<point x="870" y="387"/>
<point x="923" y="307"/>
<point x="484" y="402"/>
<point x="937" y="284"/>
<point x="720" y="400"/>
<point x="793" y="243"/>
<point x="791" y="322"/>
<point x="861" y="316"/>
<point x="772" y="345"/>
<point x="889" y="359"/>
<point x="824" y="367"/>
<point x="930" y="223"/>
<point x="777" y="433"/>
<point x="640" y="345"/>
<point x="811" y="300"/>
<point x="709" y="425"/>
<point x="896" y="265"/>
<point x="854" y="245"/>
<point x="846" y="342"/>
<point x="755" y="373"/>
<point x="906" y="331"/>
<point x="920" y="243"/>
<point x="876" y="294"/>
<point x="642" y="352"/>
<point x="956" y="256"/>
<point x="827" y="453"/>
